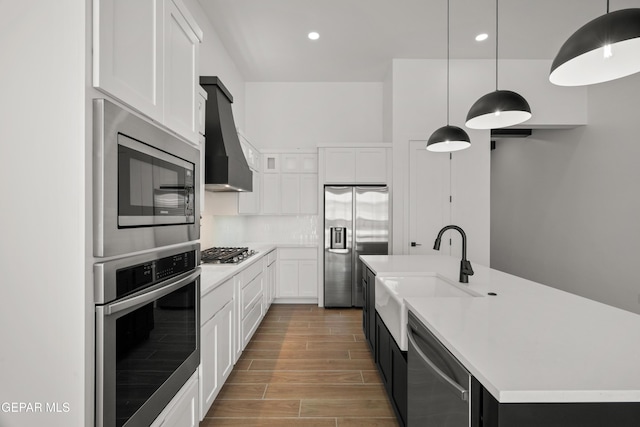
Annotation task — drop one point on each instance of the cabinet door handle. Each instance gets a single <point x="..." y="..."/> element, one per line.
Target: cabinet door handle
<point x="414" y="244"/>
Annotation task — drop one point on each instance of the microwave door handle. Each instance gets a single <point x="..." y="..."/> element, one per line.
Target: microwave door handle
<point x="150" y="296"/>
<point x="460" y="391"/>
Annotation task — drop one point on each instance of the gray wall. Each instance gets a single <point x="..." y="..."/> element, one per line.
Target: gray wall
<point x="565" y="204"/>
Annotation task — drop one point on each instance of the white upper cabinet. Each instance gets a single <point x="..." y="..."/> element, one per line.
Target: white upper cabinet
<point x="271" y="163"/>
<point x="290" y="162"/>
<point x="145" y="53"/>
<point x="308" y="162"/>
<point x="308" y="193"/>
<point x="339" y="165"/>
<point x="270" y="193"/>
<point x="290" y="182"/>
<point x="126" y="60"/>
<point x="249" y="202"/>
<point x="251" y="154"/>
<point x="298" y="162"/>
<point x="202" y="147"/>
<point x="371" y="165"/>
<point x="180" y="70"/>
<point x="366" y="165"/>
<point x="290" y="193"/>
<point x="201" y="109"/>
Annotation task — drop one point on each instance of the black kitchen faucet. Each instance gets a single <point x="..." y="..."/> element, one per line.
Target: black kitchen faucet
<point x="465" y="266"/>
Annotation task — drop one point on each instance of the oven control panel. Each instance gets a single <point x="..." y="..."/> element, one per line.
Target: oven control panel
<point x="140" y="276"/>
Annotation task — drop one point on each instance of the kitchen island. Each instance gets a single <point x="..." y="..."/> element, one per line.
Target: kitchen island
<point x="529" y="343"/>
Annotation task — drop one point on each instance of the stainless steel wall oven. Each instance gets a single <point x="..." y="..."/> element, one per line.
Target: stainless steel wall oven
<point x="145" y="185"/>
<point x="147" y="333"/>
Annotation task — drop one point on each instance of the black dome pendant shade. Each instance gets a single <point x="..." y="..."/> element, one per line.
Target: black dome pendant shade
<point x="604" y="49"/>
<point x="500" y="108"/>
<point x="448" y="138"/>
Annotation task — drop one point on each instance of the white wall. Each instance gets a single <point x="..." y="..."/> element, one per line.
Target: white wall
<point x="43" y="295"/>
<point x="419" y="108"/>
<point x="301" y="115"/>
<point x="566" y="205"/>
<point x="552" y="106"/>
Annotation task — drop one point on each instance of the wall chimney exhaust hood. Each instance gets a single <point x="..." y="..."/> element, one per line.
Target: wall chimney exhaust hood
<point x="225" y="167"/>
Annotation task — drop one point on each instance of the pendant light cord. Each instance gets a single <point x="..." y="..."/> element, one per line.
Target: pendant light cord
<point x="497" y="44"/>
<point x="448" y="61"/>
<point x="607" y="6"/>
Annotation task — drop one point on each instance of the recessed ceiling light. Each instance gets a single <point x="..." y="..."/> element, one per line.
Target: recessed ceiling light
<point x="482" y="37"/>
<point x="313" y="35"/>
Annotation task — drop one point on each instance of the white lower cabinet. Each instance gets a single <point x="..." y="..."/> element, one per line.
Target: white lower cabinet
<point x="251" y="322"/>
<point x="229" y="316"/>
<point x="182" y="411"/>
<point x="288" y="283"/>
<point x="251" y="287"/>
<point x="216" y="342"/>
<point x="297" y="274"/>
<point x="308" y="278"/>
<point x="270" y="279"/>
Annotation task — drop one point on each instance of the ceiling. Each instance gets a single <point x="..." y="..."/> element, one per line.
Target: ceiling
<point x="267" y="39"/>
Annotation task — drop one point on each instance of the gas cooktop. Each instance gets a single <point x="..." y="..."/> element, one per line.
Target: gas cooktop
<point x="225" y="255"/>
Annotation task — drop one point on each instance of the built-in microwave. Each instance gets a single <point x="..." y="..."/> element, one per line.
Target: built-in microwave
<point x="145" y="185"/>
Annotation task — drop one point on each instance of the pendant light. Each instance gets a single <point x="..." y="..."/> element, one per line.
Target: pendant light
<point x="498" y="109"/>
<point x="604" y="49"/>
<point x="448" y="138"/>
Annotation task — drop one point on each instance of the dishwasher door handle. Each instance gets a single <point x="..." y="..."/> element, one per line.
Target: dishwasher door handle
<point x="457" y="388"/>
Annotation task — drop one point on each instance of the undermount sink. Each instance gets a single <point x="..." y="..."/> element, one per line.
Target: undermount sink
<point x="391" y="291"/>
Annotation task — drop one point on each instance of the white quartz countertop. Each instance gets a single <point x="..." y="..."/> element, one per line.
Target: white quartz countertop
<point x="530" y="342"/>
<point x="213" y="275"/>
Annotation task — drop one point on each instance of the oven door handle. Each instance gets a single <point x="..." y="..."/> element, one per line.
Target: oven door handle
<point x="152" y="295"/>
<point x="461" y="392"/>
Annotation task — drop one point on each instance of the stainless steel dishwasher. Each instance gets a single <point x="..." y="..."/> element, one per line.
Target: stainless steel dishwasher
<point x="439" y="386"/>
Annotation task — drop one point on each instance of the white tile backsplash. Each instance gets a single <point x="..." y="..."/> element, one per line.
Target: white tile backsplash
<point x="234" y="230"/>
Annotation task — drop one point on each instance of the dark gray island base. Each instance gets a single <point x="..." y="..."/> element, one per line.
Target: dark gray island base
<point x="490" y="413"/>
<point x="390" y="360"/>
<point x="485" y="410"/>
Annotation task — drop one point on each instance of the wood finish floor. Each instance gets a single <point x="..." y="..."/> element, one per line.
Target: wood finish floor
<point x="304" y="367"/>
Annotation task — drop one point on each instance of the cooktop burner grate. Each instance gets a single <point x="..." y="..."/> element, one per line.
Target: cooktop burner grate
<point x="225" y="255"/>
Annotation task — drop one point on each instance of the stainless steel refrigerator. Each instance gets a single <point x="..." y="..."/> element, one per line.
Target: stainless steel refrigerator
<point x="356" y="222"/>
